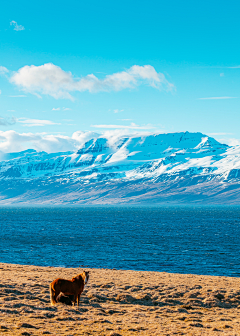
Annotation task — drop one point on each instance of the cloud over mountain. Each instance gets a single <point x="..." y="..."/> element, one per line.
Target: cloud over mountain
<point x="11" y="141"/>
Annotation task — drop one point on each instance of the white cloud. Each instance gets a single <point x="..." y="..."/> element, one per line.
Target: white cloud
<point x="52" y="80"/>
<point x="7" y="121"/>
<point x="58" y="109"/>
<point x="3" y="70"/>
<point x="117" y="111"/>
<point x="233" y="142"/>
<point x="114" y="135"/>
<point x="82" y="137"/>
<point x="219" y="133"/>
<point x="234" y="67"/>
<point x="11" y="141"/>
<point x="16" y="26"/>
<point x="228" y="141"/>
<point x="18" y="96"/>
<point x="132" y="126"/>
<point x="35" y="122"/>
<point x="226" y="97"/>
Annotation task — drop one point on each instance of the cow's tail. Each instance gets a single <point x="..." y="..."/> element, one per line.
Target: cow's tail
<point x="52" y="295"/>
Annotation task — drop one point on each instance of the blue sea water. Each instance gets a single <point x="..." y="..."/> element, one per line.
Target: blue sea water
<point x="178" y="239"/>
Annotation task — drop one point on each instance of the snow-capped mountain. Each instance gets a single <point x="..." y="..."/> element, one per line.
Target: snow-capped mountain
<point x="173" y="167"/>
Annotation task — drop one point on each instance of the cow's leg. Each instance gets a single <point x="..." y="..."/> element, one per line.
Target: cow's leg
<point x="74" y="300"/>
<point x="78" y="299"/>
<point x="57" y="292"/>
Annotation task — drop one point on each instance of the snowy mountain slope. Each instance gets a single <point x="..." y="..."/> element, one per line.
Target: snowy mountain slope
<point x="182" y="167"/>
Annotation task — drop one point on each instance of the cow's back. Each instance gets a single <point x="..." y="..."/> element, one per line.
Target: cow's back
<point x="61" y="284"/>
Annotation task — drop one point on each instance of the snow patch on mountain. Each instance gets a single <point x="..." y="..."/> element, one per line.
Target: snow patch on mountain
<point x="160" y="166"/>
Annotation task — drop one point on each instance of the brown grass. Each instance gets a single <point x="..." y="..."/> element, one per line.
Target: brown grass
<point x="119" y="303"/>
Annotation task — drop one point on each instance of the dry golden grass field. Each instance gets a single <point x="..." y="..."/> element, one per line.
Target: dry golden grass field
<point x="119" y="303"/>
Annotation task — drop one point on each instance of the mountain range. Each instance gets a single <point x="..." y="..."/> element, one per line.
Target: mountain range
<point x="178" y="168"/>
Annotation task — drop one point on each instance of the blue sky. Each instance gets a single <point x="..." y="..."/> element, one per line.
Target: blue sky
<point x="154" y="66"/>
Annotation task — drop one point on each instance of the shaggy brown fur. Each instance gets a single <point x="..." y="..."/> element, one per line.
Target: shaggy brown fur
<point x="68" y="287"/>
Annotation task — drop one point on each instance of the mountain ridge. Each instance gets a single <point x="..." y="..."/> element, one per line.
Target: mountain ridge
<point x="179" y="167"/>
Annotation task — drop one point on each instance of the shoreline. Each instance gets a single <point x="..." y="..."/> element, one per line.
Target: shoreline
<point x="119" y="302"/>
<point x="85" y="267"/>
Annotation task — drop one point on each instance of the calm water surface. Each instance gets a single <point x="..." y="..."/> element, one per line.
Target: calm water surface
<point x="200" y="240"/>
